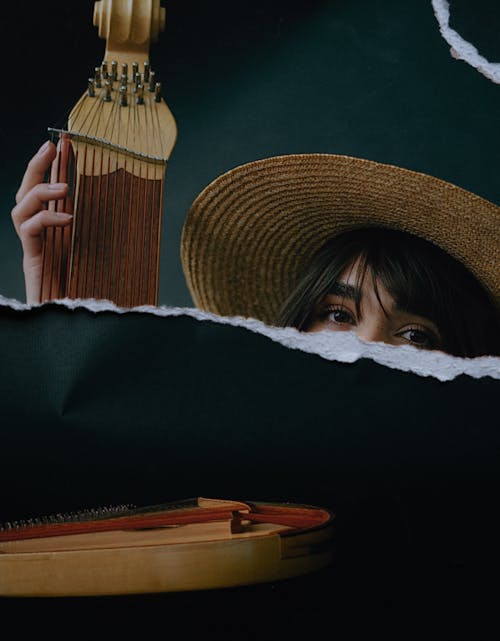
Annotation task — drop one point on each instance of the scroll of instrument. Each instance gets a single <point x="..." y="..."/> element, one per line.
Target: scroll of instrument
<point x="113" y="154"/>
<point x="197" y="544"/>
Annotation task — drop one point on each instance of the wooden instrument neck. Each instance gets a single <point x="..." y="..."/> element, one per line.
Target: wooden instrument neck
<point x="129" y="28"/>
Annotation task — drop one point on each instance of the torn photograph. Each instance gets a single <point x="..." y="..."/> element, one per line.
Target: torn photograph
<point x="250" y="313"/>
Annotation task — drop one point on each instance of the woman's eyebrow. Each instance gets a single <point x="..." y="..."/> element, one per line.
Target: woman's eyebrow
<point x="345" y="290"/>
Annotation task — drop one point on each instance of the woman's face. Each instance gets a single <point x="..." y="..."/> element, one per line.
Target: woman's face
<point x="377" y="320"/>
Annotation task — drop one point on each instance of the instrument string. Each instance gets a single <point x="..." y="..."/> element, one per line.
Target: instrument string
<point x="95" y="223"/>
<point x="87" y="223"/>
<point x="52" y="238"/>
<point x="150" y="213"/>
<point x="120" y="233"/>
<point x="98" y="222"/>
<point x="108" y="215"/>
<point x="108" y="249"/>
<point x="139" y="209"/>
<point x="104" y="256"/>
<point x="132" y="127"/>
<point x="129" y="178"/>
<point x="135" y="197"/>
<point x="93" y="213"/>
<point x="138" y="222"/>
<point x="137" y="178"/>
<point x="143" y="271"/>
<point x="80" y="157"/>
<point x="55" y="206"/>
<point x="118" y="211"/>
<point x="46" y="275"/>
<point x="71" y="231"/>
<point x="159" y="205"/>
<point x="115" y="209"/>
<point x="82" y="218"/>
<point x="90" y="113"/>
<point x="158" y="232"/>
<point x="60" y="207"/>
<point x="53" y="242"/>
<point x="132" y="266"/>
<point x="43" y="270"/>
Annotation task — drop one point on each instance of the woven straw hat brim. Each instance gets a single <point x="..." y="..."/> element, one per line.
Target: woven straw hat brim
<point x="250" y="231"/>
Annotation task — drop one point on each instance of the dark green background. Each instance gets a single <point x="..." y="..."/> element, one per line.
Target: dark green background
<point x="110" y="409"/>
<point x="250" y="79"/>
<point x="106" y="409"/>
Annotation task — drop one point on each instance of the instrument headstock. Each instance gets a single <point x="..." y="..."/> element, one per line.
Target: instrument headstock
<point x="123" y="111"/>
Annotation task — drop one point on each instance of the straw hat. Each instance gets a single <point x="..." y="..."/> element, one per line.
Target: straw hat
<point x="250" y="231"/>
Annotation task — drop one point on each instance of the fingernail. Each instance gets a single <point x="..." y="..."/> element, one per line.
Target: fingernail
<point x="44" y="147"/>
<point x="57" y="186"/>
<point x="63" y="216"/>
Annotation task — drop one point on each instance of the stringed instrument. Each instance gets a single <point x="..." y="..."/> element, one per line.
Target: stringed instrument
<point x="197" y="544"/>
<point x="113" y="154"/>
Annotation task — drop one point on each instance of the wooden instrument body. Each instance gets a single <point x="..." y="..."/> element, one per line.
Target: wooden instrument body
<point x="214" y="544"/>
<point x="113" y="155"/>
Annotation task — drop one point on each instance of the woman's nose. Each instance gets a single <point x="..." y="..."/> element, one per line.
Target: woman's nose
<point x="373" y="332"/>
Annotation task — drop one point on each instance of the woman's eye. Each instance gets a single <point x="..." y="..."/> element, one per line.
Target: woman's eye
<point x="339" y="316"/>
<point x="419" y="338"/>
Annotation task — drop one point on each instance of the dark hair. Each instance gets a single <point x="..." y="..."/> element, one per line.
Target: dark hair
<point x="421" y="277"/>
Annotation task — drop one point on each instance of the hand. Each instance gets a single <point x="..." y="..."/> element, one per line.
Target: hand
<point x="31" y="216"/>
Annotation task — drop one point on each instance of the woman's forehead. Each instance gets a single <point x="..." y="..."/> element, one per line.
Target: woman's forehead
<point x="358" y="278"/>
<point x="359" y="283"/>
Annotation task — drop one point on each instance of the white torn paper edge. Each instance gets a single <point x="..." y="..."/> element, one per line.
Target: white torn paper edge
<point x="342" y="347"/>
<point x="460" y="49"/>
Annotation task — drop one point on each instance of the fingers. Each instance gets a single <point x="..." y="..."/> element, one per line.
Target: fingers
<point x="37" y="166"/>
<point x="30" y="232"/>
<point x="35" y="225"/>
<point x="30" y="215"/>
<point x="34" y="201"/>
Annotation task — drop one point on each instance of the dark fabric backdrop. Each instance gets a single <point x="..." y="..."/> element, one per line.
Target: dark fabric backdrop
<point x="107" y="409"/>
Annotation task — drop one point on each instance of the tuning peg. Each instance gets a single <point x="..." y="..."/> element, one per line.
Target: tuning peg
<point x="152" y="81"/>
<point x="146" y="72"/>
<point x="124" y="73"/>
<point x="135" y="71"/>
<point x="114" y="70"/>
<point x="91" y="88"/>
<point x="140" y="94"/>
<point x="123" y="96"/>
<point x="97" y="77"/>
<point x="158" y="92"/>
<point x="107" y="93"/>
